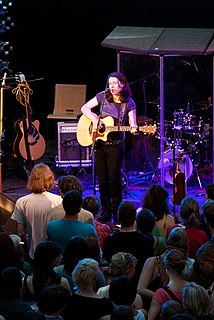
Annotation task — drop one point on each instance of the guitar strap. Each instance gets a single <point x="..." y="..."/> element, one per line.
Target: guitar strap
<point x="171" y="294"/>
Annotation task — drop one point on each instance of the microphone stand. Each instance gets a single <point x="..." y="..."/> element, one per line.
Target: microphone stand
<point x="93" y="150"/>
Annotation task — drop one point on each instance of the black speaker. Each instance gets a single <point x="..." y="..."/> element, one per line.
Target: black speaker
<point x="70" y="152"/>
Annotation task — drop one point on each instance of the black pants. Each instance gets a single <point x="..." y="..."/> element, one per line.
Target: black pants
<point x="108" y="164"/>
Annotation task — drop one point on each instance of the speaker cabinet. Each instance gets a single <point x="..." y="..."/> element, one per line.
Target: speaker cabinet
<point x="70" y="152"/>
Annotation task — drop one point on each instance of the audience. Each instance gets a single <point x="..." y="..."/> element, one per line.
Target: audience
<point x="30" y="211"/>
<point x="190" y="218"/>
<point x="11" y="305"/>
<point x="153" y="275"/>
<point x="92" y="204"/>
<point x="66" y="183"/>
<point x="53" y="301"/>
<point x="122" y="291"/>
<point x="47" y="256"/>
<point x="62" y="230"/>
<point x="122" y="264"/>
<point x="86" y="303"/>
<point x="174" y="264"/>
<point x="122" y="313"/>
<point x="127" y="239"/>
<point x="156" y="199"/>
<point x="77" y="249"/>
<point x="197" y="302"/>
<point x="208" y="213"/>
<point x="169" y="308"/>
<point x="204" y="269"/>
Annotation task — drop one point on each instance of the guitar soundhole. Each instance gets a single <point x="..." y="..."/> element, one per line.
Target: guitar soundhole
<point x="102" y="128"/>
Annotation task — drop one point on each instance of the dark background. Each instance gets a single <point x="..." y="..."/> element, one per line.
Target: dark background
<point x="60" y="42"/>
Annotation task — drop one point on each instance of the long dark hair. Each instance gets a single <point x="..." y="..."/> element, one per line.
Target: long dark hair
<point x="125" y="92"/>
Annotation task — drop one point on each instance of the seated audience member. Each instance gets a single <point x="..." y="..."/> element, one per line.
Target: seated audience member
<point x="33" y="315"/>
<point x="122" y="313"/>
<point x="169" y="308"/>
<point x="197" y="302"/>
<point x="31" y="211"/>
<point x="122" y="264"/>
<point x="145" y="222"/>
<point x="127" y="239"/>
<point x="86" y="303"/>
<point x="62" y="230"/>
<point x="77" y="249"/>
<point x="66" y="183"/>
<point x="11" y="305"/>
<point x="47" y="256"/>
<point x="204" y="269"/>
<point x="53" y="301"/>
<point x="153" y="275"/>
<point x="174" y="264"/>
<point x="190" y="217"/>
<point x="156" y="199"/>
<point x="92" y="204"/>
<point x="9" y="256"/>
<point x="122" y="291"/>
<point x="208" y="213"/>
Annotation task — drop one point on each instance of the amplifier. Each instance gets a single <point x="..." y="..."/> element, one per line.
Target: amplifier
<point x="70" y="152"/>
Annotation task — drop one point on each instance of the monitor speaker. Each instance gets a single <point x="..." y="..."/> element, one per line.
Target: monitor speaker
<point x="70" y="152"/>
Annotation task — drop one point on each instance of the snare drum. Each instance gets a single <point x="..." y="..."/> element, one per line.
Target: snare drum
<point x="185" y="165"/>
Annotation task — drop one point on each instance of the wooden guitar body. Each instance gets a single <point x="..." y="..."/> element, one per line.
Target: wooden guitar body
<point x="34" y="139"/>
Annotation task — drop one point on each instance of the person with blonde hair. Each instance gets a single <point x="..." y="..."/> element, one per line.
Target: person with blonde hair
<point x="31" y="211"/>
<point x="197" y="302"/>
<point x="122" y="264"/>
<point x="86" y="303"/>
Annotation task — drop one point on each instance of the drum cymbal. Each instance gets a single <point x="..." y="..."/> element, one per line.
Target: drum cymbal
<point x="204" y="103"/>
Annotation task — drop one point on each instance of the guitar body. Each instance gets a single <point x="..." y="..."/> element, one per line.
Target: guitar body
<point x="35" y="140"/>
<point x="86" y="134"/>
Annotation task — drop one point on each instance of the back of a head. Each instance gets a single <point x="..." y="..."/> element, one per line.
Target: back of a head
<point x="41" y="179"/>
<point x="169" y="308"/>
<point x="92" y="204"/>
<point x="10" y="282"/>
<point x="122" y="291"/>
<point x="210" y="191"/>
<point x="8" y="253"/>
<point x="45" y="252"/>
<point x="178" y="238"/>
<point x="127" y="213"/>
<point x="189" y="212"/>
<point x="145" y="221"/>
<point x="53" y="299"/>
<point x="85" y="272"/>
<point x="182" y="316"/>
<point x="72" y="202"/>
<point x="120" y="264"/>
<point x="122" y="313"/>
<point x="208" y="211"/>
<point x="75" y="250"/>
<point x="175" y="261"/>
<point x="156" y="199"/>
<point x="196" y="300"/>
<point x="69" y="182"/>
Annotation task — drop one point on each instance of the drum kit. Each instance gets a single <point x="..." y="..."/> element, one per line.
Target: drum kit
<point x="190" y="136"/>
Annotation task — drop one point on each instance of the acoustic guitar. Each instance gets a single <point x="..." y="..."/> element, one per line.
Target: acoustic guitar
<point x="86" y="134"/>
<point x="179" y="190"/>
<point x="29" y="142"/>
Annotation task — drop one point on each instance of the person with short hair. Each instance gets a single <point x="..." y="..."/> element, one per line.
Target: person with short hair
<point x="122" y="313"/>
<point x="62" y="230"/>
<point x="31" y="211"/>
<point x="86" y="303"/>
<point x="127" y="239"/>
<point x="169" y="308"/>
<point x="66" y="183"/>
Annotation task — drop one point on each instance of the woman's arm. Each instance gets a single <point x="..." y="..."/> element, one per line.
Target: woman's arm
<point x="147" y="275"/>
<point x="86" y="110"/>
<point x="154" y="310"/>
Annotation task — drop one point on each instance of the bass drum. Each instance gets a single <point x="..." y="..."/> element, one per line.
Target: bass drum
<point x="185" y="165"/>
